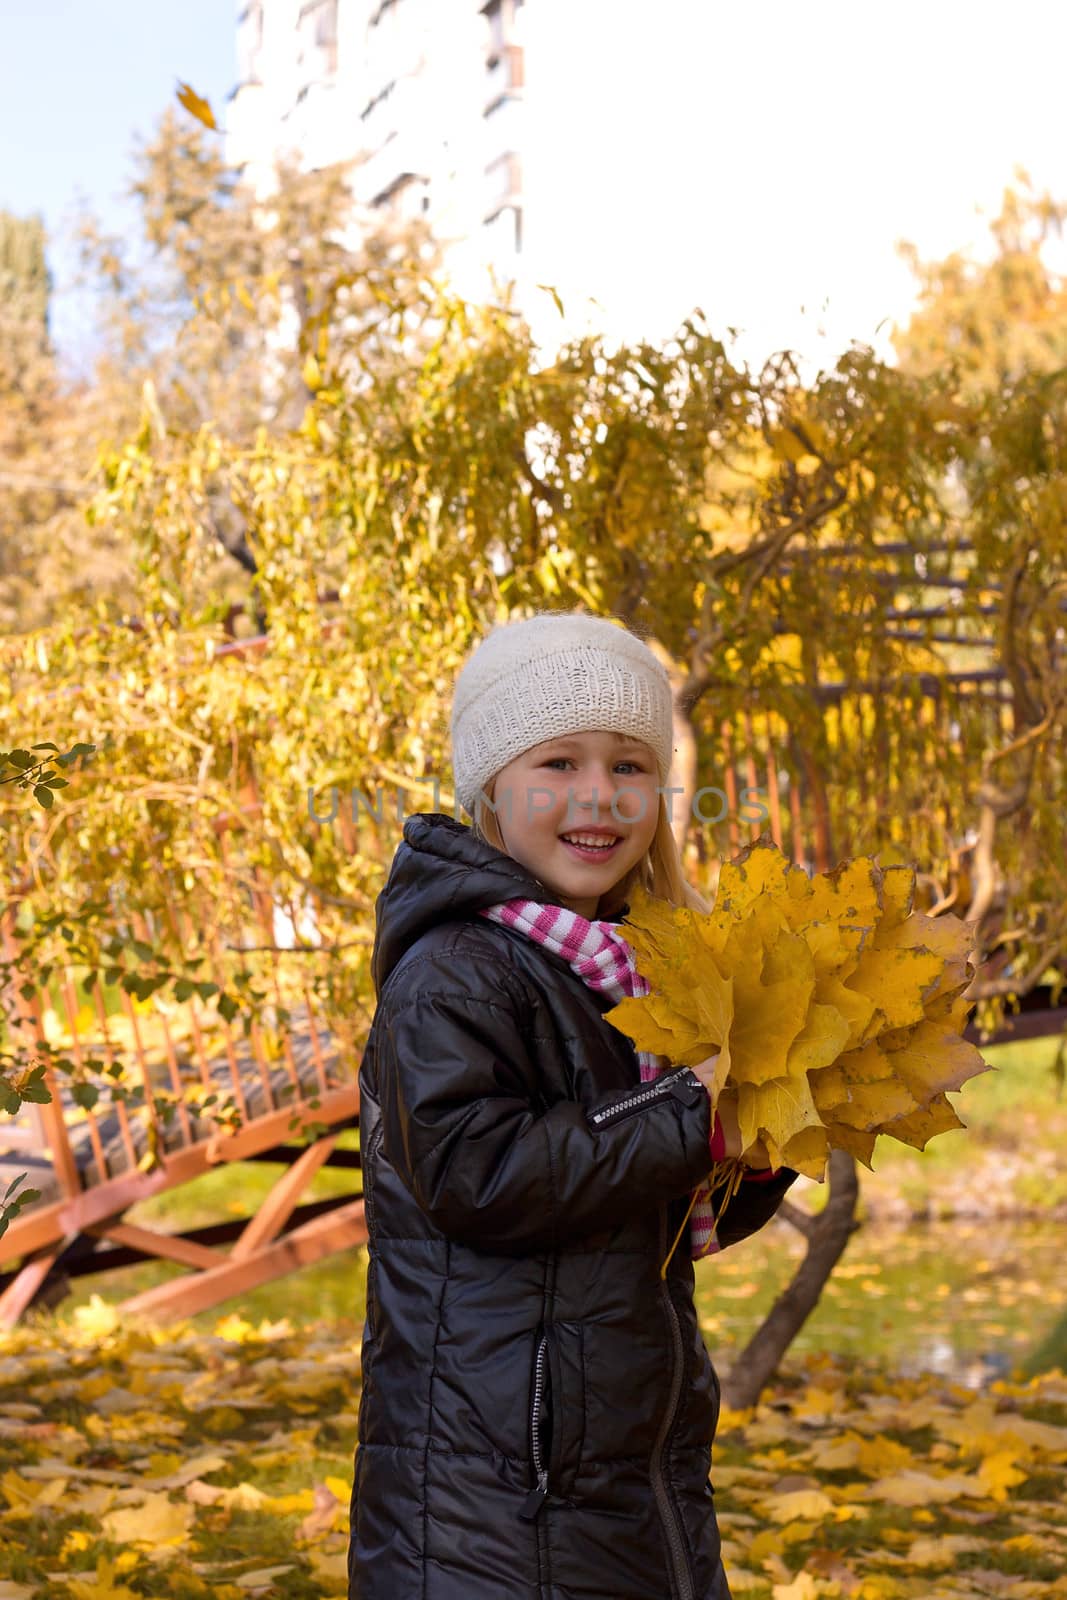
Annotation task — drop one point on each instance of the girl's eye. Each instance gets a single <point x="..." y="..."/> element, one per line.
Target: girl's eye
<point x="557" y="759"/>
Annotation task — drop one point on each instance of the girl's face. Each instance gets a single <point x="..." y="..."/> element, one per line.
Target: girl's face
<point x="558" y="791"/>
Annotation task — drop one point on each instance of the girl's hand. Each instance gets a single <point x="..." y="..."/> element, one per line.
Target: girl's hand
<point x="756" y="1155"/>
<point x="726" y="1108"/>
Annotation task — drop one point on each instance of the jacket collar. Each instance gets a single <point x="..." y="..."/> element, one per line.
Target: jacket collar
<point x="441" y="871"/>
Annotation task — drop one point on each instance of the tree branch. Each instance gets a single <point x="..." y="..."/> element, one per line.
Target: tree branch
<point x="830" y="1233"/>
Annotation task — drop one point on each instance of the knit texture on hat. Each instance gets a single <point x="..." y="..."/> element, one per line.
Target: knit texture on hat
<point x="548" y="675"/>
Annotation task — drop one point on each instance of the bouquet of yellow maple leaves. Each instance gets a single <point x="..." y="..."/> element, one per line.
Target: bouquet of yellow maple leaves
<point x="836" y="1008"/>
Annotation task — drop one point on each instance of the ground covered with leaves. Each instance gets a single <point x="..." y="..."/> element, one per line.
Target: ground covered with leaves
<point x="140" y="1461"/>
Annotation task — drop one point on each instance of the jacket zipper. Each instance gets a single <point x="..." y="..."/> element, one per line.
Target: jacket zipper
<point x="683" y="1581"/>
<point x="623" y="1108"/>
<point x="537" y="1495"/>
<point x="365" y="1162"/>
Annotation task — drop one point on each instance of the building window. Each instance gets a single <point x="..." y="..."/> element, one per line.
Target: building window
<point x="379" y="99"/>
<point x="504" y="77"/>
<point x="317" y="30"/>
<point x="504" y="124"/>
<point x="406" y="197"/>
<point x="250" y="40"/>
<point x="505" y="225"/>
<point x="502" y="18"/>
<point x="504" y="180"/>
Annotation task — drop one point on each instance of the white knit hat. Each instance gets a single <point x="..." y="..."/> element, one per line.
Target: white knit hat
<point x="551" y="674"/>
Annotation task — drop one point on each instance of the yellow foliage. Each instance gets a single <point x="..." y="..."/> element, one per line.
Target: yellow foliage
<point x="95" y="1321"/>
<point x="836" y="1008"/>
<point x="999" y="1474"/>
<point x="811" y="1504"/>
<point x="156" y="1521"/>
<point x="105" y="1585"/>
<point x="962" y="1470"/>
<point x="803" y="1587"/>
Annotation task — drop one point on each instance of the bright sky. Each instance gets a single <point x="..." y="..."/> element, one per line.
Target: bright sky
<point x="768" y="165"/>
<point x="78" y="80"/>
<point x="759" y="158"/>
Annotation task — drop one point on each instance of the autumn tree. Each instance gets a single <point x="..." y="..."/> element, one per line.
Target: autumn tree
<point x="28" y="398"/>
<point x="996" y="318"/>
<point x="996" y="328"/>
<point x="210" y="313"/>
<point x="379" y="471"/>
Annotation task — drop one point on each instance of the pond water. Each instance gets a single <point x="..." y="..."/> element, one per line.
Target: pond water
<point x="970" y="1301"/>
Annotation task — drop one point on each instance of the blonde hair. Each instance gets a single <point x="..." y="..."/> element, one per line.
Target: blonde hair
<point x="659" y="871"/>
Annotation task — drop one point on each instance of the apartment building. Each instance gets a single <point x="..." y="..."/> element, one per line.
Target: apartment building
<point x="428" y="93"/>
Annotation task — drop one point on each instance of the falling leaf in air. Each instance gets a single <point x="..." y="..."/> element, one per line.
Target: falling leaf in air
<point x="196" y="106"/>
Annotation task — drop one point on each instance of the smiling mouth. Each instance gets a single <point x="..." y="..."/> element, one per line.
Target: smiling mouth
<point x="590" y="847"/>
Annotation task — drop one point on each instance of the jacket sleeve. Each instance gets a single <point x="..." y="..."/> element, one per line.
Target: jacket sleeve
<point x="466" y="1127"/>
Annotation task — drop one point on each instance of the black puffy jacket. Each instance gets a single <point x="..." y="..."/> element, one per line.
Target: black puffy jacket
<point x="538" y="1405"/>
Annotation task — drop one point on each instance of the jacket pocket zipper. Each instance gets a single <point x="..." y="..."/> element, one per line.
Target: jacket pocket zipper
<point x="663" y="1085"/>
<point x="537" y="1495"/>
<point x="364" y="1166"/>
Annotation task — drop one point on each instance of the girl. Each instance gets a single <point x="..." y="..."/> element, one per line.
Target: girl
<point x="538" y="1405"/>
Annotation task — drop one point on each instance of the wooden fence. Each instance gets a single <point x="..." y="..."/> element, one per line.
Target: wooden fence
<point x="294" y="1077"/>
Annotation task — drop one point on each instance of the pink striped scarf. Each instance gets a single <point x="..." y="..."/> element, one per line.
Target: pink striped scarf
<point x="599" y="954"/>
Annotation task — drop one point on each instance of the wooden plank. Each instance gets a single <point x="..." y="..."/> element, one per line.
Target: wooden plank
<point x="42" y="1227"/>
<point x="337" y="1106"/>
<point x="1036" y="1023"/>
<point x="342" y="1229"/>
<point x="167" y="1246"/>
<point x="112" y="1060"/>
<point x="104" y="1256"/>
<point x="66" y="1168"/>
<point x="31" y="1029"/>
<point x="70" y="1002"/>
<point x="276" y="1209"/>
<point x="38" y="1228"/>
<point x="20" y="1292"/>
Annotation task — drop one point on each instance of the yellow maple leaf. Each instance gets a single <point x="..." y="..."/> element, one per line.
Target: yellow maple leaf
<point x="836" y="1008"/>
<point x="943" y="1549"/>
<point x="934" y="1059"/>
<point x="834" y="1454"/>
<point x="810" y="1505"/>
<point x="105" y="1585"/>
<point x="999" y="1473"/>
<point x="196" y="106"/>
<point x="242" y="1497"/>
<point x="882" y="1455"/>
<point x="807" y="1151"/>
<point x="898" y="981"/>
<point x="156" y="1521"/>
<point x="776" y="1112"/>
<point x="912" y="1488"/>
<point x="803" y="1587"/>
<point x="920" y="1127"/>
<point x="96" y="1320"/>
<point x="330" y="1567"/>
